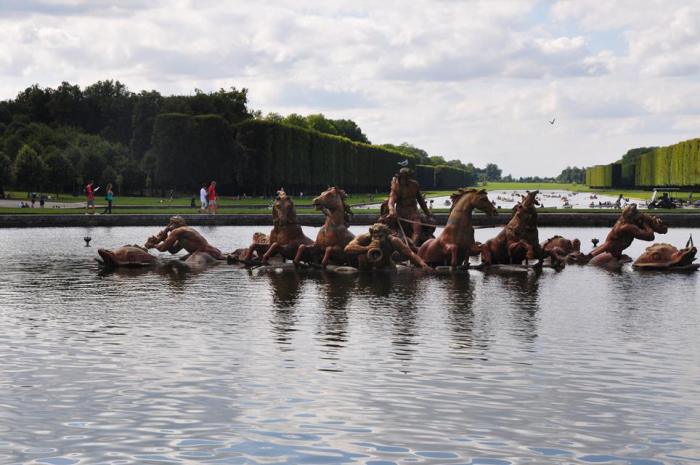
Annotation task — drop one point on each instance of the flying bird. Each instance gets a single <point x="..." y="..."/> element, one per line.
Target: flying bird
<point x="403" y="163"/>
<point x="553" y="120"/>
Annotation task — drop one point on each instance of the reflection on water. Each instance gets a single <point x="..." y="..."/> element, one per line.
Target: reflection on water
<point x="231" y="366"/>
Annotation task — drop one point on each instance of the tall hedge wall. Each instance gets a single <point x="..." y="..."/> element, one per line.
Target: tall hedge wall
<point x="193" y="149"/>
<point x="259" y="157"/>
<point x="600" y="176"/>
<point x="443" y="177"/>
<point x="425" y="174"/>
<point x="677" y="165"/>
<point x="277" y="155"/>
<point x="447" y="177"/>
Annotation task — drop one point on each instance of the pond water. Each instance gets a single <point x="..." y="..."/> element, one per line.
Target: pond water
<point x="548" y="198"/>
<point x="228" y="367"/>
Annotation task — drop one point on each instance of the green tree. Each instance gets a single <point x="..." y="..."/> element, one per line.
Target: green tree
<point x="437" y="160"/>
<point x="91" y="166"/>
<point x="133" y="178"/>
<point x="109" y="108"/>
<point x="5" y="173"/>
<point x="457" y="164"/>
<point x="320" y="123"/>
<point x="108" y="175"/>
<point x="33" y="102"/>
<point x="274" y="117"/>
<point x="295" y="119"/>
<point x="66" y="105"/>
<point x="408" y="149"/>
<point x="119" y="182"/>
<point x="348" y="128"/>
<point x="572" y="175"/>
<point x="60" y="173"/>
<point x="492" y="172"/>
<point x="30" y="169"/>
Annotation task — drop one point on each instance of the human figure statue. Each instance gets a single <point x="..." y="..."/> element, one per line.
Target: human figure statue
<point x="404" y="198"/>
<point x="375" y="248"/>
<point x="177" y="236"/>
<point x="631" y="225"/>
<point x="562" y="251"/>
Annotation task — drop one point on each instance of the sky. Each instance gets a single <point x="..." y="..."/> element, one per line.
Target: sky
<point x="472" y="80"/>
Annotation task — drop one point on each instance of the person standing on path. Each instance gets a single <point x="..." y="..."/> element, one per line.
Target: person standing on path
<point x="203" y="198"/>
<point x="109" y="196"/>
<point x="211" y="197"/>
<point x="90" y="193"/>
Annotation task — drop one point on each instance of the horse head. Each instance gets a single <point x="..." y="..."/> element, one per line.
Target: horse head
<point x="475" y="198"/>
<point x="530" y="200"/>
<point x="332" y="200"/>
<point x="283" y="211"/>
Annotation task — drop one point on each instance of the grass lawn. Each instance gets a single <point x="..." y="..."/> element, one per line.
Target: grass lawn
<point x="131" y="211"/>
<point x="229" y="204"/>
<point x="266" y="211"/>
<point x="225" y="201"/>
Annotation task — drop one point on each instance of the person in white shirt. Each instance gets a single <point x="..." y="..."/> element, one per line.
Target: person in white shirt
<point x="203" y="198"/>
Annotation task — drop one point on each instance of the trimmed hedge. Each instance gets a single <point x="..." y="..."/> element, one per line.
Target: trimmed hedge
<point x="277" y="155"/>
<point x="191" y="150"/>
<point x="425" y="174"/>
<point x="447" y="177"/>
<point x="600" y="176"/>
<point x="259" y="157"/>
<point x="677" y="165"/>
<point x="443" y="177"/>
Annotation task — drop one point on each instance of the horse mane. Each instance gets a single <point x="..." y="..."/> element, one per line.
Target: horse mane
<point x="347" y="212"/>
<point x="461" y="192"/>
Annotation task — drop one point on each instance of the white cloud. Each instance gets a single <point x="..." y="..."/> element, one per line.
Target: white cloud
<point x="476" y="80"/>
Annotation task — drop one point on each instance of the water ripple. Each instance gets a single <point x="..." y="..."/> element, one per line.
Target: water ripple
<point x="231" y="367"/>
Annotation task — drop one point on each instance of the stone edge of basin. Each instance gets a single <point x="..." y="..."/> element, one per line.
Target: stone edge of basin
<point x="544" y="219"/>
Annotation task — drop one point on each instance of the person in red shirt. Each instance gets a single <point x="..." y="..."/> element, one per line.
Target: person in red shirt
<point x="90" y="193"/>
<point x="211" y="197"/>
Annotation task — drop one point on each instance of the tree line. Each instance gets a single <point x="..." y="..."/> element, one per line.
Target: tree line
<point x="58" y="139"/>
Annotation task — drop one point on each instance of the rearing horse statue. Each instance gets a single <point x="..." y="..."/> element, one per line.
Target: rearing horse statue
<point x="286" y="235"/>
<point x="519" y="239"/>
<point x="456" y="242"/>
<point x="334" y="234"/>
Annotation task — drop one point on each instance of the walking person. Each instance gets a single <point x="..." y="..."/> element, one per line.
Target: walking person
<point x="90" y="194"/>
<point x="211" y="197"/>
<point x="109" y="196"/>
<point x="203" y="197"/>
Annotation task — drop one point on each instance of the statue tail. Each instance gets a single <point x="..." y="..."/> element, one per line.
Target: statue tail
<point x="108" y="257"/>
